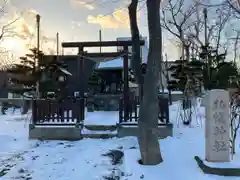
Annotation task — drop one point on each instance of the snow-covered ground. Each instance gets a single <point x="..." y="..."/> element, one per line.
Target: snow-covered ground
<point x="21" y="158"/>
<point x="101" y="118"/>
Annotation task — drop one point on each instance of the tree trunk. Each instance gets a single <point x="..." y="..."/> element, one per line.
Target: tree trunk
<point x="236" y="47"/>
<point x="136" y="59"/>
<point x="182" y="44"/>
<point x="187" y="51"/>
<point x="148" y="114"/>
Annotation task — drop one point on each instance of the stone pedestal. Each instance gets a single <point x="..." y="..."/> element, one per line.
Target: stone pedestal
<point x="161" y="132"/>
<point x="217" y="126"/>
<point x="68" y="133"/>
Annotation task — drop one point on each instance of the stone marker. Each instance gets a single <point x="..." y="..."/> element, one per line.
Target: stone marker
<point x="217" y="126"/>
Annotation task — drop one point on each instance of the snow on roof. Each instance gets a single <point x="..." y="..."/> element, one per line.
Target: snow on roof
<point x="172" y="92"/>
<point x="65" y="71"/>
<point x="132" y="85"/>
<point x="115" y="63"/>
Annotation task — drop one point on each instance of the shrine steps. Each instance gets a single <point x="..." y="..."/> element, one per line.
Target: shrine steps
<point x="101" y="127"/>
<point x="73" y="132"/>
<point x="99" y="131"/>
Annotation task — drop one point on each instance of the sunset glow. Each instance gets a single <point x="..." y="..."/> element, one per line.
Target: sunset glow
<point x="18" y="47"/>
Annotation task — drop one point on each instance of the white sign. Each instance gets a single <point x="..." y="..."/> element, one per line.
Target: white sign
<point x="217" y="126"/>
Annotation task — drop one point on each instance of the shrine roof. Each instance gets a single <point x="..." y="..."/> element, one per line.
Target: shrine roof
<point x="111" y="64"/>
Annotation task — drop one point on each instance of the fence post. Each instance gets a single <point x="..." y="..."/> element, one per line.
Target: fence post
<point x="130" y="106"/>
<point x="120" y="110"/>
<point x="163" y="106"/>
<point x="166" y="110"/>
<point x="34" y="111"/>
<point x="81" y="103"/>
<point x="136" y="109"/>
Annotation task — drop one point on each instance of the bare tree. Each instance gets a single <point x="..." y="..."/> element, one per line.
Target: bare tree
<point x="234" y="121"/>
<point x="216" y="27"/>
<point x="235" y="6"/>
<point x="148" y="113"/>
<point x="219" y="30"/>
<point x="176" y="20"/>
<point x="6" y="30"/>
<point x="195" y="31"/>
<point x="236" y="43"/>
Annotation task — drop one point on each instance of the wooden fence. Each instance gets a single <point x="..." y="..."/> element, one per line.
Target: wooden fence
<point x="55" y="112"/>
<point x="133" y="109"/>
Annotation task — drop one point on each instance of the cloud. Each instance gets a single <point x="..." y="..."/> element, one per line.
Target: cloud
<point x="76" y="25"/>
<point x="24" y="30"/>
<point x="32" y="12"/>
<point x="25" y="26"/>
<point x="80" y="3"/>
<point x="21" y="24"/>
<point x="46" y="39"/>
<point x="118" y="19"/>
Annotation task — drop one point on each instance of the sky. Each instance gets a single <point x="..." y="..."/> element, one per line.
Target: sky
<point x="74" y="20"/>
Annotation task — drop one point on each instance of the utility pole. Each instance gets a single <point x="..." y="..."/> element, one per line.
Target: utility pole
<point x="193" y="52"/>
<point x="38" y="52"/>
<point x="208" y="61"/>
<point x="57" y="44"/>
<point x="100" y="39"/>
<point x="205" y="25"/>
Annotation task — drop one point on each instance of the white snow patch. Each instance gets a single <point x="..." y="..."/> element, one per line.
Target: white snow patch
<point x="101" y="118"/>
<point x="83" y="159"/>
<point x="87" y="131"/>
<point x="55" y="126"/>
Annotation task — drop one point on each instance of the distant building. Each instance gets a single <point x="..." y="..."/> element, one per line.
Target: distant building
<point x="165" y="66"/>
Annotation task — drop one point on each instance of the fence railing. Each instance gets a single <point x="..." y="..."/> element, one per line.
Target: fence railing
<point x="55" y="112"/>
<point x="133" y="109"/>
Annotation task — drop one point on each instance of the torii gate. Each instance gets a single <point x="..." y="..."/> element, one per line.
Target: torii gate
<point x="123" y="44"/>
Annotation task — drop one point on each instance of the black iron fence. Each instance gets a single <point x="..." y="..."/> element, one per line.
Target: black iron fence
<point x="58" y="112"/>
<point x="133" y="109"/>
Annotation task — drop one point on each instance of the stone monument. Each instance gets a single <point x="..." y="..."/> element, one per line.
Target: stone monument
<point x="217" y="126"/>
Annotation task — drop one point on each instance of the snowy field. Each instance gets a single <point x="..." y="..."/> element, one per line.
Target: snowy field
<point x="23" y="159"/>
